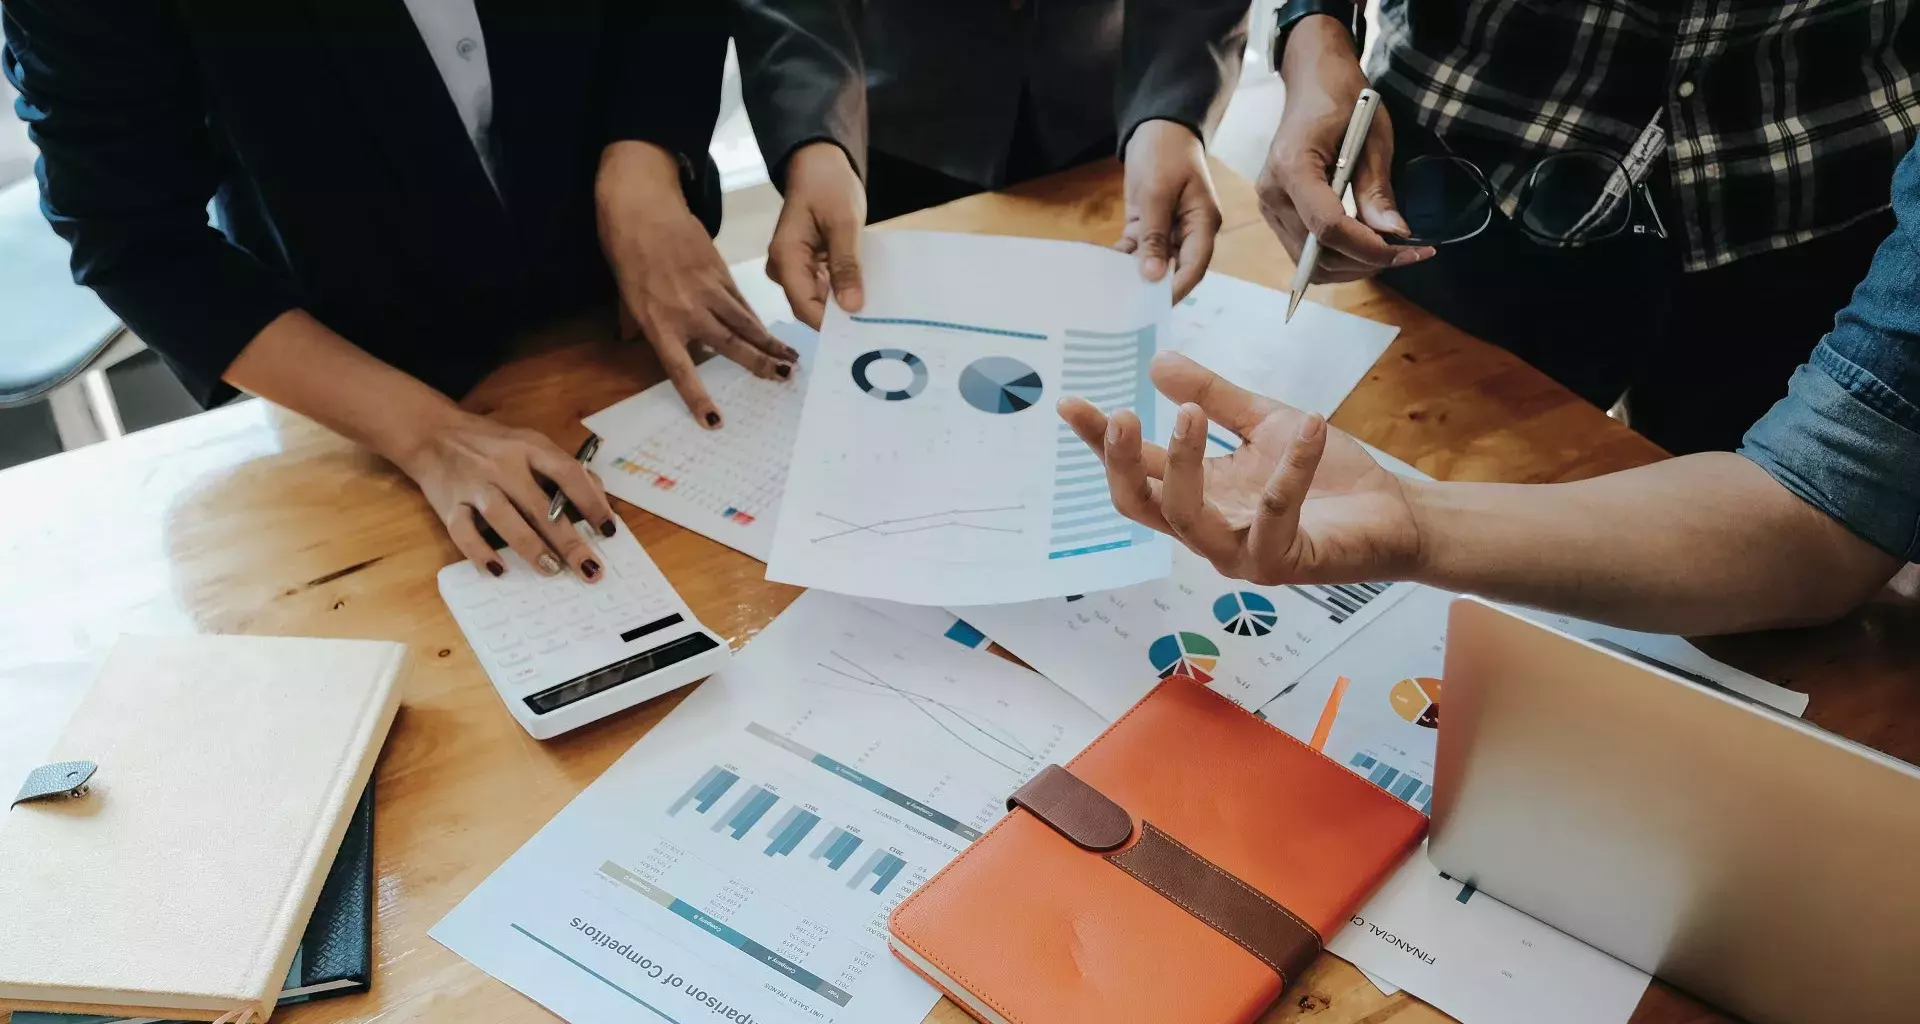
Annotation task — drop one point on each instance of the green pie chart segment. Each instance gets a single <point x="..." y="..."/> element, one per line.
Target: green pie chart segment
<point x="1000" y="385"/>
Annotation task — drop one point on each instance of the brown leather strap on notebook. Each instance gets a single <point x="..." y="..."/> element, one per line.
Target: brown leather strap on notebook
<point x="1074" y="809"/>
<point x="1251" y="918"/>
<point x="1231" y="907"/>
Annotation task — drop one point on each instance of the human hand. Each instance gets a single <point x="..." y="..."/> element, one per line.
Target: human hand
<point x="1323" y="79"/>
<point x="672" y="280"/>
<point x="1297" y="502"/>
<point x="1172" y="212"/>
<point x="816" y="243"/>
<point x="474" y="471"/>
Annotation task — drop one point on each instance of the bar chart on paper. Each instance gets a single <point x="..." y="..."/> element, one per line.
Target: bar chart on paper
<point x="760" y="837"/>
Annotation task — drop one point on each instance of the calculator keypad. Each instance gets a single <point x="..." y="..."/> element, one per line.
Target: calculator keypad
<point x="531" y="631"/>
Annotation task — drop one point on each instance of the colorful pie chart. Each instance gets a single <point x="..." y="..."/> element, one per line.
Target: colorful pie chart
<point x="1417" y="701"/>
<point x="1000" y="385"/>
<point x="1245" y="613"/>
<point x="1184" y="654"/>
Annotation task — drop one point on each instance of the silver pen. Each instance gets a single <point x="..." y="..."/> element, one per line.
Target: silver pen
<point x="588" y="448"/>
<point x="1343" y="166"/>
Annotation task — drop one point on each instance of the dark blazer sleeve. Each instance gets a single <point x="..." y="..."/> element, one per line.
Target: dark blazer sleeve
<point x="110" y="93"/>
<point x="664" y="61"/>
<point x="802" y="77"/>
<point x="1179" y="61"/>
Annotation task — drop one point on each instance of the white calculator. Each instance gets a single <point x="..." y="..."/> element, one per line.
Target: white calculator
<point x="563" y="652"/>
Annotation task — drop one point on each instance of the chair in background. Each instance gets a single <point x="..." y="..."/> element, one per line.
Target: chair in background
<point x="56" y="339"/>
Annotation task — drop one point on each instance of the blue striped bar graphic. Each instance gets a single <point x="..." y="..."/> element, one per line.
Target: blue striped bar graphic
<point x="1108" y="368"/>
<point x="871" y="785"/>
<point x="712" y="786"/>
<point x="792" y="827"/>
<point x="836" y="848"/>
<point x="1407" y="788"/>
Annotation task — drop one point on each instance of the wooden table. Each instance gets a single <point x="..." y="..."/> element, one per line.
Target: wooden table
<point x="254" y="520"/>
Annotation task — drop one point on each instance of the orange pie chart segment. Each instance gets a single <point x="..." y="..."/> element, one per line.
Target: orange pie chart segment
<point x="1417" y="701"/>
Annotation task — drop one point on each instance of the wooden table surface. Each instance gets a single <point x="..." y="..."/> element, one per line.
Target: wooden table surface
<point x="254" y="520"/>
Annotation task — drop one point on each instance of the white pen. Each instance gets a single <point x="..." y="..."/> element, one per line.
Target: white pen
<point x="1357" y="127"/>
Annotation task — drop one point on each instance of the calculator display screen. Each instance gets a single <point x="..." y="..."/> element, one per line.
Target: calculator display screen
<point x="601" y="680"/>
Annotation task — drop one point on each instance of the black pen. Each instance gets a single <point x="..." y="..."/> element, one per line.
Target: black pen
<point x="588" y="449"/>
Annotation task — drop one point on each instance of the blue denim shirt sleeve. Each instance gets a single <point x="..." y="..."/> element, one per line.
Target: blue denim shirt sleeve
<point x="1846" y="439"/>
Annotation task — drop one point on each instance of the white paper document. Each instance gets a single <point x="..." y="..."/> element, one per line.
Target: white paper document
<point x="929" y="466"/>
<point x="1374" y="705"/>
<point x="1239" y="330"/>
<point x="726" y="483"/>
<point x="739" y="863"/>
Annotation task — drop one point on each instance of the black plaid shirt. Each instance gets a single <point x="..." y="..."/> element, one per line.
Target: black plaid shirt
<point x="1783" y="118"/>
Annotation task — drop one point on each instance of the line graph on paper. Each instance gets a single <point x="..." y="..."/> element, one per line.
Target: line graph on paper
<point x="981" y="735"/>
<point x="997" y="519"/>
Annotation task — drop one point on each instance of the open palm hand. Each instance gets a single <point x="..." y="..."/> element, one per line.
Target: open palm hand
<point x="1297" y="502"/>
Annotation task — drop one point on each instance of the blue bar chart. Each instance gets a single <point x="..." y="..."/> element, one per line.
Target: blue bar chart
<point x="866" y="782"/>
<point x="835" y="848"/>
<point x="711" y="787"/>
<point x="882" y="867"/>
<point x="1403" y="785"/>
<point x="792" y="827"/>
<point x="747" y="811"/>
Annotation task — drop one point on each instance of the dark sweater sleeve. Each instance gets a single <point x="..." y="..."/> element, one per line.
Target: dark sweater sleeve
<point x="110" y="94"/>
<point x="1179" y="61"/>
<point x="664" y="61"/>
<point x="802" y="77"/>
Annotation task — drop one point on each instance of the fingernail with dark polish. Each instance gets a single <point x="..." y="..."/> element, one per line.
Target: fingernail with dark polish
<point x="713" y="419"/>
<point x="496" y="568"/>
<point x="590" y="568"/>
<point x="783" y="370"/>
<point x="607" y="529"/>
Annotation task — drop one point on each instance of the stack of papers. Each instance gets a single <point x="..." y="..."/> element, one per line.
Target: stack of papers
<point x="742" y="858"/>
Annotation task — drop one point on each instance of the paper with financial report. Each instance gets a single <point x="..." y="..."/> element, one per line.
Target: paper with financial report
<point x="740" y="861"/>
<point x="929" y="467"/>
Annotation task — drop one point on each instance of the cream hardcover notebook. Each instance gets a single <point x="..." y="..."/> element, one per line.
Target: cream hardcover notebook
<point x="179" y="886"/>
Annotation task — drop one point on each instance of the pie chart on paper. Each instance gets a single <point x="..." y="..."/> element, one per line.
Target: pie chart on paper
<point x="1184" y="654"/>
<point x="1417" y="701"/>
<point x="1245" y="613"/>
<point x="1000" y="385"/>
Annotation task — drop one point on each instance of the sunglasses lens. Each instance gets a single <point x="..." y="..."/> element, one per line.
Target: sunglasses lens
<point x="1576" y="198"/>
<point x="1442" y="198"/>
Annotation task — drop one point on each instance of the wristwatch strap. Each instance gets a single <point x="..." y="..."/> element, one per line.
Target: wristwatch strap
<point x="1347" y="13"/>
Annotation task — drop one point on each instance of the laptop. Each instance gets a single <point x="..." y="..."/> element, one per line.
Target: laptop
<point x="1760" y="863"/>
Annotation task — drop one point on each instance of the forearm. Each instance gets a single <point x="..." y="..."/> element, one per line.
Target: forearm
<point x="299" y="363"/>
<point x="1179" y="62"/>
<point x="802" y="77"/>
<point x="1703" y="544"/>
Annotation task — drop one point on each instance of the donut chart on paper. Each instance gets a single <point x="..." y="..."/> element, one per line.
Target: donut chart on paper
<point x="1000" y="385"/>
<point x="863" y="365"/>
<point x="1417" y="701"/>
<point x="1184" y="654"/>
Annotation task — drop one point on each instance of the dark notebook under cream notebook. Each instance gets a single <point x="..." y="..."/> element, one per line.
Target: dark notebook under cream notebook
<point x="181" y="884"/>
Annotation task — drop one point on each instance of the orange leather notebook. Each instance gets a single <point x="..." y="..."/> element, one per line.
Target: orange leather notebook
<point x="1185" y="867"/>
